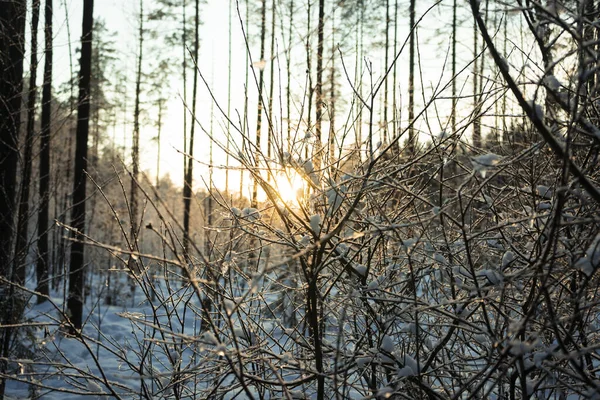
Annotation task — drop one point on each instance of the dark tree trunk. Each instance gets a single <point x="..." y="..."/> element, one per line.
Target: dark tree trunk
<point x="76" y="270"/>
<point x="22" y="244"/>
<point x="12" y="52"/>
<point x="42" y="261"/>
<point x="187" y="185"/>
<point x="476" y="119"/>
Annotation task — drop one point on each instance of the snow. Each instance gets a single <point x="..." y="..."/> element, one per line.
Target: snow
<point x="387" y="344"/>
<point x="483" y="163"/>
<point x="507" y="258"/>
<point x="361" y="270"/>
<point x="551" y="82"/>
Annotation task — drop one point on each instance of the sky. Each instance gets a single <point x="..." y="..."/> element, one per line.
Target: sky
<point x="121" y="16"/>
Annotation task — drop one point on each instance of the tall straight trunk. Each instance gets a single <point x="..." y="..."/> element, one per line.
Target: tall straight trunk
<point x="332" y="96"/>
<point x="411" y="80"/>
<point x="480" y="76"/>
<point x="42" y="260"/>
<point x="12" y="53"/>
<point x="229" y="47"/>
<point x="22" y="243"/>
<point x="135" y="148"/>
<point x="454" y="92"/>
<point x="76" y="270"/>
<point x="288" y="93"/>
<point x="209" y="198"/>
<point x="505" y="136"/>
<point x="313" y="291"/>
<point x="271" y="83"/>
<point x="319" y="84"/>
<point x="247" y="77"/>
<point x="309" y="74"/>
<point x="184" y="76"/>
<point x="161" y="103"/>
<point x="358" y="48"/>
<point x="187" y="185"/>
<point x="261" y="81"/>
<point x="385" y="83"/>
<point x="12" y="43"/>
<point x="476" y="120"/>
<point x="395" y="125"/>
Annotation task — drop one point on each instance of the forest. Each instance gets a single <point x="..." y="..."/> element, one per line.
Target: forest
<point x="300" y="199"/>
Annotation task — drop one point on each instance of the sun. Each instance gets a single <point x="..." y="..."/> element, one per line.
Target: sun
<point x="290" y="186"/>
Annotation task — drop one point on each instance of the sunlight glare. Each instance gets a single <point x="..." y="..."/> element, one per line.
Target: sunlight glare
<point x="290" y="186"/>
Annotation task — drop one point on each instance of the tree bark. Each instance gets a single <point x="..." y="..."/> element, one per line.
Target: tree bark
<point x="42" y="260"/>
<point x="187" y="185"/>
<point x="411" y="80"/>
<point x="319" y="85"/>
<point x="76" y="269"/>
<point x="22" y="243"/>
<point x="261" y="81"/>
<point x="12" y="52"/>
<point x="135" y="148"/>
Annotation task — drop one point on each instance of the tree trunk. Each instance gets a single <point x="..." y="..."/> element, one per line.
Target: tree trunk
<point x="261" y="81"/>
<point x="288" y="93"/>
<point x="319" y="85"/>
<point x="135" y="148"/>
<point x="332" y="95"/>
<point x="187" y="185"/>
<point x="229" y="49"/>
<point x="385" y="83"/>
<point x="76" y="270"/>
<point x="22" y="243"/>
<point x="12" y="52"/>
<point x="42" y="261"/>
<point x="411" y="80"/>
<point x="271" y="83"/>
<point x="454" y="93"/>
<point x="476" y="120"/>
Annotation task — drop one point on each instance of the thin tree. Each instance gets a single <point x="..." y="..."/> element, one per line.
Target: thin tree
<point x="332" y="93"/>
<point x="135" y="148"/>
<point x="22" y="243"/>
<point x="411" y="79"/>
<point x="319" y="84"/>
<point x="229" y="52"/>
<point x="76" y="269"/>
<point x="261" y="80"/>
<point x="271" y="82"/>
<point x="187" y="184"/>
<point x="395" y="125"/>
<point x="42" y="260"/>
<point x="385" y="84"/>
<point x="288" y="61"/>
<point x="476" y="120"/>
<point x="453" y="62"/>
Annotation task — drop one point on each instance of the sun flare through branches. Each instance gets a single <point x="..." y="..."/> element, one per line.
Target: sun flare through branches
<point x="290" y="186"/>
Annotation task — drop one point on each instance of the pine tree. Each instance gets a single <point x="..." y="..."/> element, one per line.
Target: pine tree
<point x="77" y="266"/>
